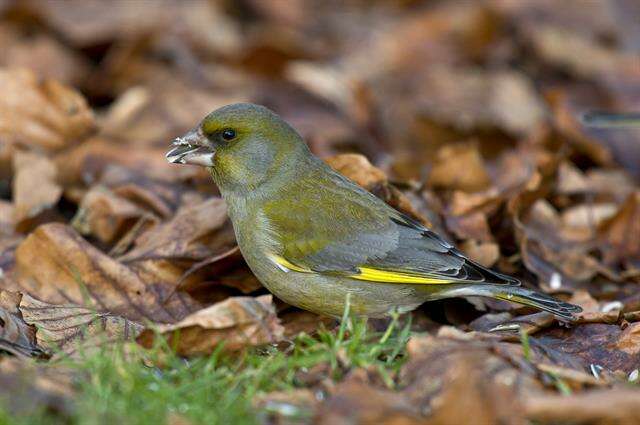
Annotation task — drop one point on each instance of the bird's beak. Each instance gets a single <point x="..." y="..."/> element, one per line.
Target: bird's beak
<point x="192" y="148"/>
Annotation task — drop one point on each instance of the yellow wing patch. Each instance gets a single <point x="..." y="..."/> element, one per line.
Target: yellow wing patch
<point x="286" y="265"/>
<point x="368" y="274"/>
<point x="393" y="276"/>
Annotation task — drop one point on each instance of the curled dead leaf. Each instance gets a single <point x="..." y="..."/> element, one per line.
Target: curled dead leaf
<point x="459" y="166"/>
<point x="605" y="345"/>
<point x="70" y="270"/>
<point x="238" y="322"/>
<point x="358" y="402"/>
<point x="108" y="216"/>
<point x="615" y="406"/>
<point x="62" y="328"/>
<point x="31" y="386"/>
<point x="453" y="380"/>
<point x="485" y="253"/>
<point x="41" y="114"/>
<point x="621" y="234"/>
<point x="187" y="235"/>
<point x="358" y="168"/>
<point x="471" y="97"/>
<point x="16" y="336"/>
<point x="35" y="189"/>
<point x="45" y="55"/>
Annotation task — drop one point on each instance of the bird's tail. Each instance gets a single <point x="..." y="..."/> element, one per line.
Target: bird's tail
<point x="520" y="295"/>
<point x="538" y="300"/>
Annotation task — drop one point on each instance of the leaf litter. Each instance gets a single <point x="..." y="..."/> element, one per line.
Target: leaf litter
<point x="467" y="117"/>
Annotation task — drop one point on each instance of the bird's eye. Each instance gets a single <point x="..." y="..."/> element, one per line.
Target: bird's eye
<point x="228" y="134"/>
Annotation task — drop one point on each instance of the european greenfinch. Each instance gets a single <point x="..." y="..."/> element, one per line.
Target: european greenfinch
<point x="313" y="237"/>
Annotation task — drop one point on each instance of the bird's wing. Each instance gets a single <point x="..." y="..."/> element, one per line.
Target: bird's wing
<point x="362" y="238"/>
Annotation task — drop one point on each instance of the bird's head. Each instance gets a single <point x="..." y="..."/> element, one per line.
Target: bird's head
<point x="244" y="145"/>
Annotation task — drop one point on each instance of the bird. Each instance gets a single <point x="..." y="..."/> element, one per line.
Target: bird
<point x="317" y="240"/>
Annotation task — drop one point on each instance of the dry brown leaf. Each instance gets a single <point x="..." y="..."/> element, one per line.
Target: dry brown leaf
<point x="86" y="163"/>
<point x="616" y="406"/>
<point x="31" y="386"/>
<point x="238" y="322"/>
<point x="605" y="345"/>
<point x="620" y="234"/>
<point x="282" y="405"/>
<point x="16" y="336"/>
<point x="470" y="97"/>
<point x="460" y="167"/>
<point x="453" y="381"/>
<point x="62" y="328"/>
<point x="108" y="216"/>
<point x="43" y="54"/>
<point x="549" y="248"/>
<point x="41" y="114"/>
<point x="193" y="233"/>
<point x="565" y="113"/>
<point x="485" y="253"/>
<point x="241" y="279"/>
<point x="35" y="189"/>
<point x="9" y="240"/>
<point x="588" y="215"/>
<point x="162" y="109"/>
<point x="356" y="402"/>
<point x="473" y="225"/>
<point x="297" y="321"/>
<point x="581" y="55"/>
<point x="70" y="270"/>
<point x="357" y="168"/>
<point x="485" y="201"/>
<point x="82" y="23"/>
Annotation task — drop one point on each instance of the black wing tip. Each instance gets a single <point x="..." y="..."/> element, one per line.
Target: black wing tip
<point x="487" y="275"/>
<point x="558" y="308"/>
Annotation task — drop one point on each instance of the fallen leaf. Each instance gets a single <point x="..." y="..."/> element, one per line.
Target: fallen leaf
<point x="238" y="322"/>
<point x="473" y="225"/>
<point x="621" y="234"/>
<point x="41" y="114"/>
<point x="579" y="54"/>
<point x="606" y="345"/>
<point x="43" y="54"/>
<point x="87" y="162"/>
<point x="108" y="216"/>
<point x="460" y="167"/>
<point x="614" y="406"/>
<point x="280" y="406"/>
<point x="192" y="233"/>
<point x="357" y="168"/>
<point x="62" y="328"/>
<point x="485" y="253"/>
<point x="31" y="386"/>
<point x="16" y="336"/>
<point x="454" y="380"/>
<point x="70" y="270"/>
<point x="471" y="97"/>
<point x="35" y="189"/>
<point x="356" y="402"/>
<point x="588" y="215"/>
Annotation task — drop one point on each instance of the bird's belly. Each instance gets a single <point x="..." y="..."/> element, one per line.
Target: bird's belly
<point x="323" y="294"/>
<point x="327" y="294"/>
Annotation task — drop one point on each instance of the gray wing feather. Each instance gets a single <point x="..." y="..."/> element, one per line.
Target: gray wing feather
<point x="407" y="246"/>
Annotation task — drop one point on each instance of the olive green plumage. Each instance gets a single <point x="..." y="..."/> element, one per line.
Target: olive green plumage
<point x="312" y="236"/>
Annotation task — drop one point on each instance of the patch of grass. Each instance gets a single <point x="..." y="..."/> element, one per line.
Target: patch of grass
<point x="124" y="384"/>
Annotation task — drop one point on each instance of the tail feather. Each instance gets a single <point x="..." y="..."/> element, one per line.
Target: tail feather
<point x="515" y="294"/>
<point x="538" y="300"/>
